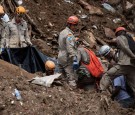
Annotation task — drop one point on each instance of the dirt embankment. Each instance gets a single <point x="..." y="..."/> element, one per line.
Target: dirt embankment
<point x="57" y="100"/>
<point x="50" y="16"/>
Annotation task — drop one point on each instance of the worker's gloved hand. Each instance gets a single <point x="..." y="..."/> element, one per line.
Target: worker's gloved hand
<point x="75" y="63"/>
<point x="29" y="43"/>
<point x="7" y="46"/>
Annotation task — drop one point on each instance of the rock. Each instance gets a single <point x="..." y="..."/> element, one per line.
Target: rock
<point x="92" y="9"/>
<point x="49" y="38"/>
<point x="128" y="5"/>
<point x="55" y="47"/>
<point x="109" y="33"/>
<point x="43" y="46"/>
<point x="90" y="39"/>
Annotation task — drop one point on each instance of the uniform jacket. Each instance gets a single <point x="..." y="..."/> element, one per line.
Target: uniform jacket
<point x="67" y="48"/>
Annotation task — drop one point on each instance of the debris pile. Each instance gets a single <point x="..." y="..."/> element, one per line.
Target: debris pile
<point x="47" y="18"/>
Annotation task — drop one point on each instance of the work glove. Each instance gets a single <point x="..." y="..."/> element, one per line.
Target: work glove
<point x="75" y="63"/>
<point x="7" y="46"/>
<point x="29" y="43"/>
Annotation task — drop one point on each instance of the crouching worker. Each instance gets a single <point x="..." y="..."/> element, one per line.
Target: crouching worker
<point x="121" y="93"/>
<point x="90" y="70"/>
<point x="49" y="67"/>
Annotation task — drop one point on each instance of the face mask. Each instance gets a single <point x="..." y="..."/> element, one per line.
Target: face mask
<point x="5" y="18"/>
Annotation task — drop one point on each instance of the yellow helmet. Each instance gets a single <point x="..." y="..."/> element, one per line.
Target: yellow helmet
<point x="20" y="10"/>
<point x="1" y="10"/>
<point x="49" y="65"/>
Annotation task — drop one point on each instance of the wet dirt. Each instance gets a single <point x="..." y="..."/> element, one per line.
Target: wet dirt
<point x="50" y="17"/>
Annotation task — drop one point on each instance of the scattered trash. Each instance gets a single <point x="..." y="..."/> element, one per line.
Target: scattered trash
<point x="21" y="103"/>
<point x="94" y="27"/>
<point x="12" y="102"/>
<point x="83" y="16"/>
<point x="109" y="7"/>
<point x="117" y="20"/>
<point x="68" y="1"/>
<point x="45" y="81"/>
<point x="18" y="95"/>
<point x="19" y="2"/>
<point x="128" y="5"/>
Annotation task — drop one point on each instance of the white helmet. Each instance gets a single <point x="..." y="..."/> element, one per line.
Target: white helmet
<point x="104" y="50"/>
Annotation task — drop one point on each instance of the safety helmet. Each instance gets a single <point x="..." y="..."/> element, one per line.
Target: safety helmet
<point x="20" y="10"/>
<point x="104" y="50"/>
<point x="1" y="10"/>
<point x="49" y="65"/>
<point x="73" y="20"/>
<point x="120" y="29"/>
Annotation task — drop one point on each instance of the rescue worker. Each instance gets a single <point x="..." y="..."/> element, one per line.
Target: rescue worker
<point x="8" y="30"/>
<point x="90" y="70"/>
<point x="22" y="28"/>
<point x="124" y="66"/>
<point x="49" y="67"/>
<point x="67" y="49"/>
<point x="120" y="93"/>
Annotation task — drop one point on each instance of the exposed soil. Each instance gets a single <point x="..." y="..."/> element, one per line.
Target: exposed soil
<point x="57" y="100"/>
<point x="50" y="16"/>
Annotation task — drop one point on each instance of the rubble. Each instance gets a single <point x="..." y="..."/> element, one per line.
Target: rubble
<point x="90" y="39"/>
<point x="98" y="25"/>
<point x="109" y="33"/>
<point x="92" y="9"/>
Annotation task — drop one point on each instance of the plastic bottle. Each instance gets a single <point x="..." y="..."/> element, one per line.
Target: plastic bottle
<point x="109" y="7"/>
<point x="18" y="95"/>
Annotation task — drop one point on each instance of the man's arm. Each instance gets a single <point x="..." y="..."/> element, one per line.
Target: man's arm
<point x="115" y="92"/>
<point x="27" y="37"/>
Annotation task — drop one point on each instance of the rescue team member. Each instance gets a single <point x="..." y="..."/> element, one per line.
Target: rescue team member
<point x="8" y="30"/>
<point x="23" y="39"/>
<point x="67" y="49"/>
<point x="90" y="69"/>
<point x="123" y="66"/>
<point x="49" y="67"/>
<point x="120" y="93"/>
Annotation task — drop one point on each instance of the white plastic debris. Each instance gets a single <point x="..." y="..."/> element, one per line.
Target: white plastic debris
<point x="12" y="102"/>
<point x="117" y="20"/>
<point x="109" y="7"/>
<point x="129" y="5"/>
<point x="18" y="2"/>
<point x="68" y="1"/>
<point x="94" y="27"/>
<point x="84" y="16"/>
<point x="45" y="81"/>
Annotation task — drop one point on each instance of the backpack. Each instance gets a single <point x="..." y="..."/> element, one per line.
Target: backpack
<point x="131" y="43"/>
<point x="94" y="67"/>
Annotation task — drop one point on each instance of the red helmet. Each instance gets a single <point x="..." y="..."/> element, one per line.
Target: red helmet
<point x="120" y="29"/>
<point x="73" y="20"/>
